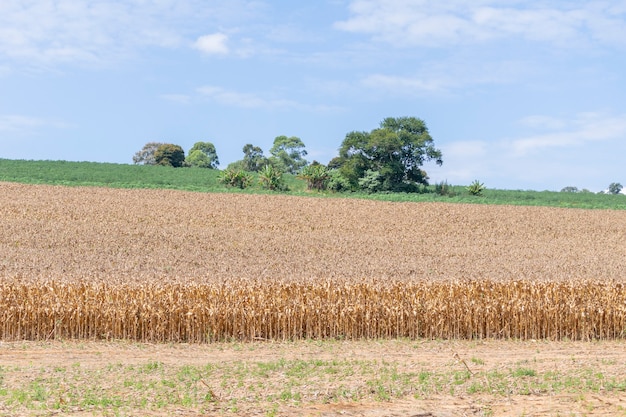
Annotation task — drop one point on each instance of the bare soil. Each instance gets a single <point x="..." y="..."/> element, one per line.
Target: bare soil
<point x="480" y="357"/>
<point x="126" y="236"/>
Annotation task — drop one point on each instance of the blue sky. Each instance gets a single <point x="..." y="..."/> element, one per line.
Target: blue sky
<point x="516" y="94"/>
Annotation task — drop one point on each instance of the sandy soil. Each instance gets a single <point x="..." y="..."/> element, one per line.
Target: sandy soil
<point x="608" y="358"/>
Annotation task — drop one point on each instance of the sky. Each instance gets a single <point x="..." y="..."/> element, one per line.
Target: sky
<point x="516" y="94"/>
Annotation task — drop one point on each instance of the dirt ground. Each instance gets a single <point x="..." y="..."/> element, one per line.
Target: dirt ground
<point x="480" y="358"/>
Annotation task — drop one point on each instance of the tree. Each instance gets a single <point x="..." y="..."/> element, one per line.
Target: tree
<point x="615" y="188"/>
<point x="335" y="163"/>
<point x="253" y="158"/>
<point x="203" y="155"/>
<point x="288" y="154"/>
<point x="570" y="189"/>
<point x="236" y="166"/>
<point x="169" y="155"/>
<point x="146" y="154"/>
<point x="388" y="158"/>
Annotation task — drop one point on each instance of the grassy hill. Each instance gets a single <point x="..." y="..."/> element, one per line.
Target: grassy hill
<point x="206" y="180"/>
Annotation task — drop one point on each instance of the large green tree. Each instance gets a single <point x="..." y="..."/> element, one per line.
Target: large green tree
<point x="169" y="155"/>
<point x="389" y="158"/>
<point x="253" y="158"/>
<point x="615" y="188"/>
<point x="202" y="155"/>
<point x="288" y="154"/>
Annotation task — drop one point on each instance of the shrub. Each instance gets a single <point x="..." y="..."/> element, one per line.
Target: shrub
<point x="235" y="178"/>
<point x="316" y="176"/>
<point x="476" y="188"/>
<point x="337" y="182"/>
<point x="271" y="178"/>
<point x="372" y="182"/>
<point x="444" y="189"/>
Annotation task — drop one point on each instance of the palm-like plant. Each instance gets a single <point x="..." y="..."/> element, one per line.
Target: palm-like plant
<point x="235" y="178"/>
<point x="476" y="188"/>
<point x="316" y="176"/>
<point x="271" y="178"/>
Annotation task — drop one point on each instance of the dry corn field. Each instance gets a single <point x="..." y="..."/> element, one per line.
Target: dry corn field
<point x="157" y="265"/>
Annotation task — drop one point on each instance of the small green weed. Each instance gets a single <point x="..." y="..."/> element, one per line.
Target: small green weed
<point x="520" y="372"/>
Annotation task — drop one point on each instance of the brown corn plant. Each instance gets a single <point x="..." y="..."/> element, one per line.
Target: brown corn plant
<point x="170" y="266"/>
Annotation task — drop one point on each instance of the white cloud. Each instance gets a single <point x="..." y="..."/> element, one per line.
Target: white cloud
<point x="447" y="76"/>
<point x="256" y="101"/>
<point x="586" y="127"/>
<point x="560" y="153"/>
<point x="404" y="85"/>
<point x="429" y="23"/>
<point x="212" y="44"/>
<point x="464" y="161"/>
<point x="96" y="32"/>
<point x="16" y="124"/>
<point x="243" y="100"/>
<point x="68" y="30"/>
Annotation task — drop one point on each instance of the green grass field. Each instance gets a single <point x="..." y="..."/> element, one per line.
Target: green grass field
<point x="206" y="180"/>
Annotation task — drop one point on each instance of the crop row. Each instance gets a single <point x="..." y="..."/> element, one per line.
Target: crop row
<point x="265" y="310"/>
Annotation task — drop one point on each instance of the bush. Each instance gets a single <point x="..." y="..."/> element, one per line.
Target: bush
<point x="444" y="189"/>
<point x="476" y="188"/>
<point x="271" y="178"/>
<point x="235" y="178"/>
<point x="372" y="182"/>
<point x="316" y="176"/>
<point x="337" y="182"/>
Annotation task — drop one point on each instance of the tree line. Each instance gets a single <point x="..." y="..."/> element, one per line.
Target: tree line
<point x="613" y="188"/>
<point x="388" y="158"/>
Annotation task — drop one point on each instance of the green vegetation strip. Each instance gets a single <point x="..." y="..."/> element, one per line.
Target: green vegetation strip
<point x="118" y="388"/>
<point x="68" y="173"/>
